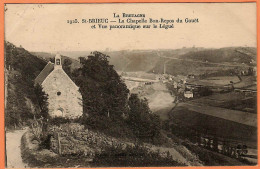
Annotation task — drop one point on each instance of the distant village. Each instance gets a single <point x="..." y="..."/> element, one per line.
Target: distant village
<point x="188" y="87"/>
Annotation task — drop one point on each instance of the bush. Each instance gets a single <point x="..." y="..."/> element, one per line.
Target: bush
<point x="132" y="156"/>
<point x="58" y="121"/>
<point x="204" y="91"/>
<point x="114" y="126"/>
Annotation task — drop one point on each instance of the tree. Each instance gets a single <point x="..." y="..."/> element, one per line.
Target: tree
<point x="42" y="100"/>
<point x="143" y="122"/>
<point x="102" y="89"/>
<point x="215" y="143"/>
<point x="204" y="91"/>
<point x="105" y="101"/>
<point x="250" y="71"/>
<point x="67" y="66"/>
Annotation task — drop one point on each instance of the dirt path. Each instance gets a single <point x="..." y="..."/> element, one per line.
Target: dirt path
<point x="13" y="150"/>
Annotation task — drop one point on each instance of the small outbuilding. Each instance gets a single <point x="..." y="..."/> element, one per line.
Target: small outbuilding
<point x="188" y="94"/>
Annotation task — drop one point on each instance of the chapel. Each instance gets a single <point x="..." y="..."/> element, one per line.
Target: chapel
<point x="64" y="97"/>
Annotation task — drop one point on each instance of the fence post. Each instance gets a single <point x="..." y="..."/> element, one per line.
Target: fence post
<point x="59" y="145"/>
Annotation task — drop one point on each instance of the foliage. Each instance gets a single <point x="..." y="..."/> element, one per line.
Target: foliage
<point x="39" y="126"/>
<point x="36" y="128"/>
<point x="204" y="91"/>
<point x="39" y="131"/>
<point x="116" y="127"/>
<point x="42" y="100"/>
<point x="250" y="71"/>
<point x="106" y="105"/>
<point x="104" y="95"/>
<point x="137" y="156"/>
<point x="66" y="65"/>
<point x="132" y="156"/>
<point x="21" y="60"/>
<point x="59" y="121"/>
<point x="103" y="91"/>
<point x="21" y="69"/>
<point x="144" y="124"/>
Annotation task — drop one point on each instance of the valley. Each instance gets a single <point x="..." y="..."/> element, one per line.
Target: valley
<point x="201" y="102"/>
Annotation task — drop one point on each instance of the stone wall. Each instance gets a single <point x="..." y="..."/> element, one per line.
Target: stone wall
<point x="64" y="97"/>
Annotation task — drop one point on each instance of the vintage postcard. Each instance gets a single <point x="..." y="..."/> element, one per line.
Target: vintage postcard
<point x="130" y="85"/>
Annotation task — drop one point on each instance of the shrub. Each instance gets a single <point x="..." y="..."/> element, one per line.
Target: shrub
<point x="132" y="156"/>
<point x="114" y="126"/>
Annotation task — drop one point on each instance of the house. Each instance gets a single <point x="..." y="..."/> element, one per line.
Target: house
<point x="188" y="94"/>
<point x="64" y="97"/>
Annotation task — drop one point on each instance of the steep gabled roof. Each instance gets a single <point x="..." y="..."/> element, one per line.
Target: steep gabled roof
<point x="44" y="73"/>
<point x="60" y="72"/>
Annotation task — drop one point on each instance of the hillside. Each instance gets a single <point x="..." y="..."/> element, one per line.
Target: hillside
<point x="144" y="60"/>
<point x="223" y="61"/>
<point x="177" y="61"/>
<point x="21" y="69"/>
<point x="245" y="55"/>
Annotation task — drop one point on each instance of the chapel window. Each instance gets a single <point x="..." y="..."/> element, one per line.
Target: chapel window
<point x="58" y="61"/>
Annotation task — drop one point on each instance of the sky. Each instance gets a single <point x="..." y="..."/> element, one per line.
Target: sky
<point x="44" y="27"/>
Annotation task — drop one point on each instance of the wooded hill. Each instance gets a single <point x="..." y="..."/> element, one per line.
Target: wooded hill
<point x="21" y="69"/>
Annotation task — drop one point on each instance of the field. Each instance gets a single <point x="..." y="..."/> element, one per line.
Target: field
<point x="184" y="67"/>
<point x="227" y="114"/>
<point x="138" y="74"/>
<point x="215" y="126"/>
<point x="232" y="100"/>
<point x="221" y="80"/>
<point x="217" y="81"/>
<point x="247" y="81"/>
<point x="231" y="54"/>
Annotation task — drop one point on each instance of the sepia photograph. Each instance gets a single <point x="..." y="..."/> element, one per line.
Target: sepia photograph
<point x="130" y="85"/>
